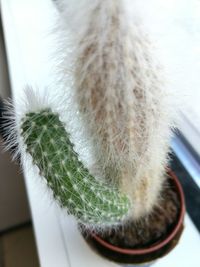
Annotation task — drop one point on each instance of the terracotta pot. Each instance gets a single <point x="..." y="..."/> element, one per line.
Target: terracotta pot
<point x="145" y="256"/>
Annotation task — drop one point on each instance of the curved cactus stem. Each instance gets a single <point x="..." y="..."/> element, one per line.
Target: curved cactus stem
<point x="89" y="200"/>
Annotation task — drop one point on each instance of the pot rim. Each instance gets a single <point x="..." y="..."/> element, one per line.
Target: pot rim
<point x="166" y="240"/>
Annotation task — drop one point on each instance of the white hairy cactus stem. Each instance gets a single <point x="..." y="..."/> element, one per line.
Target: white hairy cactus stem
<point x="121" y="97"/>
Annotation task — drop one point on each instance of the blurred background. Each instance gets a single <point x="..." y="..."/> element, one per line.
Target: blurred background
<point x="25" y="57"/>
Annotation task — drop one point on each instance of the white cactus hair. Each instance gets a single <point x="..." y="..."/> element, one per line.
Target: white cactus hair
<point x="33" y="99"/>
<point x="29" y="102"/>
<point x="118" y="84"/>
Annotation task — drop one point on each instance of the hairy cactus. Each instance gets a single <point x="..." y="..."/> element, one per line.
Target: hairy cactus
<point x="89" y="200"/>
<point x="121" y="97"/>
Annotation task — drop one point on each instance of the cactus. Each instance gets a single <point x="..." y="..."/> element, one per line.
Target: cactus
<point x="124" y="105"/>
<point x="89" y="200"/>
<point x="109" y="73"/>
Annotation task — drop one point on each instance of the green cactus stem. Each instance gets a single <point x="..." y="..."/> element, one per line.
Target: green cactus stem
<point x="89" y="200"/>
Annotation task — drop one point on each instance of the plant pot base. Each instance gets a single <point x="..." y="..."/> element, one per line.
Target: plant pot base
<point x="133" y="259"/>
<point x="143" y="252"/>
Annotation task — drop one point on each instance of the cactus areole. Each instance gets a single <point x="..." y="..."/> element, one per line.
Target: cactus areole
<point x="89" y="200"/>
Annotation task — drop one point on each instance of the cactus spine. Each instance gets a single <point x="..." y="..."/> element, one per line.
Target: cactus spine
<point x="90" y="201"/>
